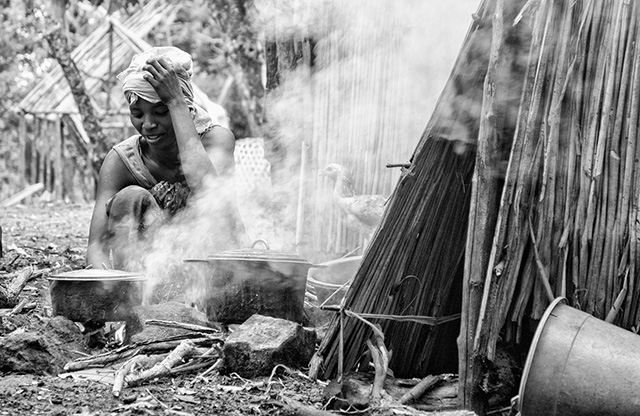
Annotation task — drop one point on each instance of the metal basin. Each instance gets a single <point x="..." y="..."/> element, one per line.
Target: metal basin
<point x="95" y="295"/>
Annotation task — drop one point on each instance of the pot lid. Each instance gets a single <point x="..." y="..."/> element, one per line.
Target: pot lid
<point x="94" y="275"/>
<point x="255" y="254"/>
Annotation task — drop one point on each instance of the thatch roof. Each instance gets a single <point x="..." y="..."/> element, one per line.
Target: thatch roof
<point x="98" y="60"/>
<point x="92" y="56"/>
<point x="543" y="203"/>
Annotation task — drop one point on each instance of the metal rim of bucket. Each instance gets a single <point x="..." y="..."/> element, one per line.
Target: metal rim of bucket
<point x="533" y="347"/>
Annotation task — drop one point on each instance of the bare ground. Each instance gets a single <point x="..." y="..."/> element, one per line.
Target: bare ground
<point x="52" y="237"/>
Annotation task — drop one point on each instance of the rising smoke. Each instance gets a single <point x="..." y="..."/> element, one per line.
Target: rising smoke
<point x="379" y="68"/>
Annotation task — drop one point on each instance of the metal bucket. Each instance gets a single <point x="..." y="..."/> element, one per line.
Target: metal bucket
<point x="580" y="365"/>
<point x="330" y="279"/>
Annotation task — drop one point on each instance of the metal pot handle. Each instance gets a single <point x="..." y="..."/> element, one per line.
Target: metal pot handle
<point x="260" y="241"/>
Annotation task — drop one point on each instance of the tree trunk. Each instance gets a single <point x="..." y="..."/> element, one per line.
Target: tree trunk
<point x="60" y="51"/>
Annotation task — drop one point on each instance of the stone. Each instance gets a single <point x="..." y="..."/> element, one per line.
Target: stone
<point x="262" y="342"/>
<point x="43" y="352"/>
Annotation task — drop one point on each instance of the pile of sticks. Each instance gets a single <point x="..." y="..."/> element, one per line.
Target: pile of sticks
<point x="414" y="265"/>
<point x="136" y="363"/>
<point x="567" y="222"/>
<point x="11" y="287"/>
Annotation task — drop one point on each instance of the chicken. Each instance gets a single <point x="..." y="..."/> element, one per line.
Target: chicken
<point x="363" y="212"/>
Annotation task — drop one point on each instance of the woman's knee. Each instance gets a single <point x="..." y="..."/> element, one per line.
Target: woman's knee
<point x="130" y="201"/>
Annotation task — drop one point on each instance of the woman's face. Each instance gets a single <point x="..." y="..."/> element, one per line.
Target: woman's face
<point x="153" y="122"/>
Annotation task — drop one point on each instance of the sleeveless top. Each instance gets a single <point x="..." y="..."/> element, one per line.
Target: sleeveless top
<point x="131" y="155"/>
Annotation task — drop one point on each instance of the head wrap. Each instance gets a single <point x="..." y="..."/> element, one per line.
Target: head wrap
<point x="135" y="86"/>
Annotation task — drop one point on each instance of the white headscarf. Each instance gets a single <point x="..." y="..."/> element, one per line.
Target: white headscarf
<point x="135" y="86"/>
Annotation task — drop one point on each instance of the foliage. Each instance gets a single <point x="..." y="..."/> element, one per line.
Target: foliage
<point x="21" y="55"/>
<point x="224" y="45"/>
<point x="215" y="33"/>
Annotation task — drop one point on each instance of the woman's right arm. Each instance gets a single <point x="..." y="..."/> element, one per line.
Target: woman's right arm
<point x="114" y="176"/>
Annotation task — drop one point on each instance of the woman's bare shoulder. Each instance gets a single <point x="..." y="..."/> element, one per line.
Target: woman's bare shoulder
<point x="114" y="174"/>
<point x="220" y="138"/>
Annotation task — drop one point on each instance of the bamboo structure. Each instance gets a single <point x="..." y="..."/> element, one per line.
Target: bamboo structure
<point x="567" y="219"/>
<point x="414" y="265"/>
<point x="552" y="209"/>
<point x="51" y="128"/>
<point x="357" y="117"/>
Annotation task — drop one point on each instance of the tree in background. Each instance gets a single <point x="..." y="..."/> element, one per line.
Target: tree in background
<point x="227" y="54"/>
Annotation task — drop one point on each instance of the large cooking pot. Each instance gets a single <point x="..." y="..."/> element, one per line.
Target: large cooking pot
<point x="255" y="281"/>
<point x="95" y="295"/>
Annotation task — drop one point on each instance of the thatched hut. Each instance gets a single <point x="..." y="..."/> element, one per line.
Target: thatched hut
<point x="57" y="150"/>
<point x="541" y="202"/>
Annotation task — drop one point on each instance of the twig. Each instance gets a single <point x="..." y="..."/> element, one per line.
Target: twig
<point x="127" y="368"/>
<point x="182" y="351"/>
<point x="541" y="271"/>
<point x="156" y="399"/>
<point x="181" y="325"/>
<point x="131" y="350"/>
<point x="296" y="408"/>
<point x="613" y="313"/>
<point x="121" y="373"/>
<point x="187" y="368"/>
<point x="9" y="295"/>
<point x="13" y="260"/>
<point x="380" y="357"/>
<point x="202" y="375"/>
<point x="421" y="388"/>
<point x="18" y="308"/>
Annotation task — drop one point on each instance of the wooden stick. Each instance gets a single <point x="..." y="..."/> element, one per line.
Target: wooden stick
<point x="421" y="388"/>
<point x="26" y="192"/>
<point x="182" y="351"/>
<point x="130" y="351"/>
<point x="544" y="279"/>
<point x="181" y="325"/>
<point x="380" y="357"/>
<point x="188" y="368"/>
<point x="296" y="408"/>
<point x="215" y="365"/>
<point x="18" y="308"/>
<point x="9" y="295"/>
<point x="613" y="313"/>
<point x="121" y="373"/>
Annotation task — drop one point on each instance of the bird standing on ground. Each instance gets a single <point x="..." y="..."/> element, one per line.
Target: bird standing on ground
<point x="363" y="212"/>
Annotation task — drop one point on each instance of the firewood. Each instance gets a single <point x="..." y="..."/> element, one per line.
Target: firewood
<point x="26" y="192"/>
<point x="181" y="352"/>
<point x="19" y="307"/>
<point x="213" y="367"/>
<point x="181" y="325"/>
<point x="296" y="408"/>
<point x="421" y="388"/>
<point x="380" y="357"/>
<point x="9" y="294"/>
<point x="189" y="367"/>
<point x="129" y="351"/>
<point x="127" y="367"/>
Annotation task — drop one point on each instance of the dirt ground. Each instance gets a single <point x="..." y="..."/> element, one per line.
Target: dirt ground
<point x="53" y="237"/>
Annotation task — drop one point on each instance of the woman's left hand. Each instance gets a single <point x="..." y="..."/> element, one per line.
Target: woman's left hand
<point x="163" y="79"/>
